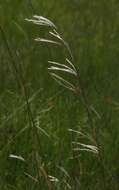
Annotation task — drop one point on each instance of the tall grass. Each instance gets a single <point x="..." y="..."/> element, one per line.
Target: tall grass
<point x="59" y="73"/>
<point x="59" y="136"/>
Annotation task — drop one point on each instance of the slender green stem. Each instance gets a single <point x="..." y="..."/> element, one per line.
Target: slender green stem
<point x="21" y="83"/>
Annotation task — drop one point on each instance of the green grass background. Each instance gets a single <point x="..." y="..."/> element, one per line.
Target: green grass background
<point x="92" y="30"/>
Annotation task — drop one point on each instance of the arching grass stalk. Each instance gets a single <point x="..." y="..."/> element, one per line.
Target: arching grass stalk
<point x="59" y="71"/>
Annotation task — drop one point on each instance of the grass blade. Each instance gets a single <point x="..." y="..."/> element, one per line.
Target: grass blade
<point x="47" y="41"/>
<point x="63" y="82"/>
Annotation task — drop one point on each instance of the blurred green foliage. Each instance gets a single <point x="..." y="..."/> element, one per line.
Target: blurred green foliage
<point x="92" y="30"/>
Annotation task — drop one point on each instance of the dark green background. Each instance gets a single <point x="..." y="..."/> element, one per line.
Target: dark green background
<point x="92" y="30"/>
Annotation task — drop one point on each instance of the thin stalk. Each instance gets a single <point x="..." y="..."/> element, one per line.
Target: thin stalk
<point x="21" y="83"/>
<point x="81" y="90"/>
<point x="90" y="119"/>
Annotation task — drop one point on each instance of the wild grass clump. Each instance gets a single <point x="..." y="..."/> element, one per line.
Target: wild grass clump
<point x="67" y="75"/>
<point x="59" y="137"/>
